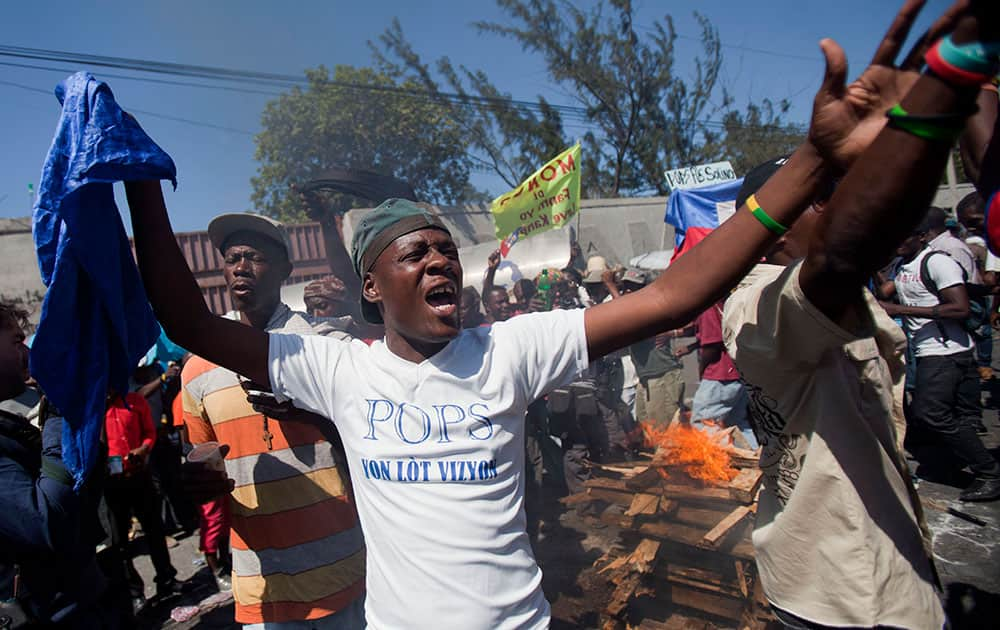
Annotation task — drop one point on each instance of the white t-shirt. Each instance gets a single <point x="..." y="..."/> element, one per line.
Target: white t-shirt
<point x="991" y="263"/>
<point x="436" y="455"/>
<point x="931" y="337"/>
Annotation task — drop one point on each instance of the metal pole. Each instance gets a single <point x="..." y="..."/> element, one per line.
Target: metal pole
<point x="952" y="178"/>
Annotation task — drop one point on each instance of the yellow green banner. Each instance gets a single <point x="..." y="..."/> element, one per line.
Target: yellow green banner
<point x="548" y="199"/>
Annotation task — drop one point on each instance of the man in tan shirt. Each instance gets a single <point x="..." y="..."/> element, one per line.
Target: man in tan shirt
<point x="839" y="535"/>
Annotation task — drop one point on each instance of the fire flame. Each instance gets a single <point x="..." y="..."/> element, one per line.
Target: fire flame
<point x="690" y="450"/>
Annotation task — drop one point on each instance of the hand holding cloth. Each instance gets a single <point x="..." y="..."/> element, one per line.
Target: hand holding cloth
<point x="96" y="321"/>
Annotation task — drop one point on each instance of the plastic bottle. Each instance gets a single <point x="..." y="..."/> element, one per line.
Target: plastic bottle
<point x="545" y="289"/>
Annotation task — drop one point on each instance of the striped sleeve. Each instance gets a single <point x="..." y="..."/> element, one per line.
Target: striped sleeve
<point x="199" y="427"/>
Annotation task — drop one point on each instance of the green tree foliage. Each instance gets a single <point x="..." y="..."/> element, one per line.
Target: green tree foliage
<point x="506" y="138"/>
<point x="358" y="118"/>
<point x="756" y="135"/>
<point x="647" y="117"/>
<point x="643" y="117"/>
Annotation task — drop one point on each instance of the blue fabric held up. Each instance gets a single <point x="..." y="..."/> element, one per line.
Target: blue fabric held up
<point x="96" y="321"/>
<point x="697" y="207"/>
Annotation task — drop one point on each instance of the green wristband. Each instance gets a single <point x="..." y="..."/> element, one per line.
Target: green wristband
<point x="941" y="129"/>
<point x="764" y="218"/>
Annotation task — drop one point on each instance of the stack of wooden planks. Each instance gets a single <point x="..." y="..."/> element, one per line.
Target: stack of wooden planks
<point x="689" y="549"/>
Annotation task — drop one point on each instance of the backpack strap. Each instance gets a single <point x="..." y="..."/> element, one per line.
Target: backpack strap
<point x="925" y="274"/>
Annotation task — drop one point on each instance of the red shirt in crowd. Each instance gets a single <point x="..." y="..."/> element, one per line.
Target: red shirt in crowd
<point x="710" y="332"/>
<point x="129" y="425"/>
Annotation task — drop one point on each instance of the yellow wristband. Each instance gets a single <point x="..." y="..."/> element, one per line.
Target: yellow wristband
<point x="763" y="217"/>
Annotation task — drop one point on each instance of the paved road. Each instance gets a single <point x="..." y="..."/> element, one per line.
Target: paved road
<point x="968" y="554"/>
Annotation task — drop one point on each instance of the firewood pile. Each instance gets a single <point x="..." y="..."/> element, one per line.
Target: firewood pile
<point x="685" y="512"/>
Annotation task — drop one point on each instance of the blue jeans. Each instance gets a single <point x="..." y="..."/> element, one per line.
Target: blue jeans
<point x="984" y="346"/>
<point x="724" y="402"/>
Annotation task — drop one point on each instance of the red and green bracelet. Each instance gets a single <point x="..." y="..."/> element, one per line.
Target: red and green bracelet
<point x="968" y="64"/>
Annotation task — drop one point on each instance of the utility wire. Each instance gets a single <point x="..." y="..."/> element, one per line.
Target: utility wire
<point x="277" y="80"/>
<point x="144" y="112"/>
<point x="209" y="86"/>
<point x="261" y="78"/>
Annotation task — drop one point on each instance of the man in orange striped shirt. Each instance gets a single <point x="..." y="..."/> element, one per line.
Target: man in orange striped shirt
<point x="298" y="554"/>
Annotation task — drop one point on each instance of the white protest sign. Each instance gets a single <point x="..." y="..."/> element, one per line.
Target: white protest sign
<point x="703" y="175"/>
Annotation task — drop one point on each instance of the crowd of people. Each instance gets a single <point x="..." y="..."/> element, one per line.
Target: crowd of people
<point x="378" y="461"/>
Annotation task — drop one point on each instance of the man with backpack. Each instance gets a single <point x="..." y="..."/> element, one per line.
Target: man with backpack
<point x="939" y="238"/>
<point x="934" y="303"/>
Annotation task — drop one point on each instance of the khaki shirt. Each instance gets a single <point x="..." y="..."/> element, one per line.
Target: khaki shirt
<point x="838" y="536"/>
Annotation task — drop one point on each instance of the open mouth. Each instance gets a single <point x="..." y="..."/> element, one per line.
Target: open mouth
<point x="241" y="288"/>
<point x="443" y="299"/>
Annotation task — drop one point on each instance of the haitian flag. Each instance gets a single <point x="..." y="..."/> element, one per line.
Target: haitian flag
<point x="695" y="212"/>
<point x="508" y="242"/>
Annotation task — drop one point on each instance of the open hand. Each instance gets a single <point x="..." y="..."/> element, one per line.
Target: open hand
<point x="846" y="118"/>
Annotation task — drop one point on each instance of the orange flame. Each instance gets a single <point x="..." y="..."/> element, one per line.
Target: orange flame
<point x="692" y="451"/>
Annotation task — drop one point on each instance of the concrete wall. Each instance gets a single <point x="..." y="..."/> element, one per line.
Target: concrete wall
<point x="620" y="229"/>
<point x="19" y="275"/>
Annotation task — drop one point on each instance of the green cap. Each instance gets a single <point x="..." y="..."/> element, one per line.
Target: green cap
<point x="380" y="227"/>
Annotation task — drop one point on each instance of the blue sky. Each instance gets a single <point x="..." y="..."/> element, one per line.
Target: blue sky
<point x="771" y="51"/>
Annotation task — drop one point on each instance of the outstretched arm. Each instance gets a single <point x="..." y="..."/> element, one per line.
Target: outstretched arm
<point x="175" y="296"/>
<point x="337" y="255"/>
<point x="702" y="276"/>
<point x="492" y="264"/>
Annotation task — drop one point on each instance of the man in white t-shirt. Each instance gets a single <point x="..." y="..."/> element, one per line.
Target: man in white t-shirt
<point x="432" y="417"/>
<point x="934" y="302"/>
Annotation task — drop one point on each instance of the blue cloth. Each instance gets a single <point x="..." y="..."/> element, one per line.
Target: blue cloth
<point x="698" y="207"/>
<point x="163" y="352"/>
<point x="96" y="321"/>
